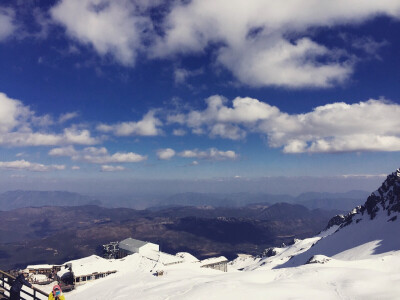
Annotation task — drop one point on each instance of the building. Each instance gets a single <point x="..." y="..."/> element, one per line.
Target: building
<point x="130" y="246"/>
<point x="216" y="263"/>
<point x="86" y="269"/>
<point x="43" y="269"/>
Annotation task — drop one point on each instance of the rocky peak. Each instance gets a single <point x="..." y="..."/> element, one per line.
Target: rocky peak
<point x="386" y="198"/>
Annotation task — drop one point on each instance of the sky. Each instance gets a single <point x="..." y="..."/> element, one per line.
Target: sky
<point x="99" y="95"/>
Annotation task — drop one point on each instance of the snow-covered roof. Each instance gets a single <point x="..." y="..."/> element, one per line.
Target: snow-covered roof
<point x="89" y="265"/>
<point x="213" y="260"/>
<point x="162" y="257"/>
<point x="131" y="244"/>
<point x="187" y="257"/>
<point x="35" y="267"/>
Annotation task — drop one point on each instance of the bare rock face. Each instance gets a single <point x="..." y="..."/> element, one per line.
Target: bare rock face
<point x="318" y="259"/>
<point x="269" y="252"/>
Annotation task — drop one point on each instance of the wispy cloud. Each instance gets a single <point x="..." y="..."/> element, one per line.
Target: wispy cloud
<point x="29" y="166"/>
<point x="7" y="23"/>
<point x="107" y="168"/>
<point x="210" y="154"/>
<point x="97" y="155"/>
<point x="67" y="116"/>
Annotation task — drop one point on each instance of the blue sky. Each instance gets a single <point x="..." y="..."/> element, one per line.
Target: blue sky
<point x="212" y="91"/>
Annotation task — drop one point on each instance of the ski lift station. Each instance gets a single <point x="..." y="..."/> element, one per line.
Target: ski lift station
<point x="130" y="246"/>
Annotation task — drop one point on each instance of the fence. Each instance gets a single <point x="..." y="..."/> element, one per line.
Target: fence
<point x="31" y="294"/>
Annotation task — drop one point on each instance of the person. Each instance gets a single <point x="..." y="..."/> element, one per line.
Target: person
<point x="56" y="294"/>
<point x="15" y="291"/>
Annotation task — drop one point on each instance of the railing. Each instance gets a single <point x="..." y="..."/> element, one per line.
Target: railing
<point x="33" y="293"/>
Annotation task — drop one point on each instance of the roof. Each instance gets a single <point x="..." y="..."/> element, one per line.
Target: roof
<point x="40" y="267"/>
<point x="131" y="243"/>
<point x="213" y="260"/>
<point x="95" y="264"/>
<point x="162" y="257"/>
<point x="187" y="257"/>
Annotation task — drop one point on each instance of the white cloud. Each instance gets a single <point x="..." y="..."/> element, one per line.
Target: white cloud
<point x="7" y="23"/>
<point x="148" y="126"/>
<point x="67" y="116"/>
<point x="97" y="155"/>
<point x="181" y="75"/>
<point x="282" y="63"/>
<point x="364" y="175"/>
<point x="110" y="27"/>
<point x="29" y="166"/>
<point x="179" y="132"/>
<point x="107" y="168"/>
<point x="210" y="154"/>
<point x="64" y="151"/>
<point x="18" y="127"/>
<point x="79" y="136"/>
<point x="264" y="42"/>
<point x="372" y="125"/>
<point x="75" y="168"/>
<point x="165" y="154"/>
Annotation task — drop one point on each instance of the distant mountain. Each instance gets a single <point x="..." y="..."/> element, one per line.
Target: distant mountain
<point x="311" y="200"/>
<point x="224" y="200"/>
<point x="18" y="199"/>
<point x="56" y="234"/>
<point x="341" y="201"/>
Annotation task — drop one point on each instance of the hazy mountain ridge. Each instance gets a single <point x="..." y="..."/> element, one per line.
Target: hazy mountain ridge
<point x="39" y="234"/>
<point x="340" y="201"/>
<point x="19" y="199"/>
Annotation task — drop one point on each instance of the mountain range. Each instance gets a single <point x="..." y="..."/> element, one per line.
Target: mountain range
<point x="312" y="200"/>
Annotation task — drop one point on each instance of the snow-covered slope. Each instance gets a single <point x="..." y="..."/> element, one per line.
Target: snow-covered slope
<point x="356" y="257"/>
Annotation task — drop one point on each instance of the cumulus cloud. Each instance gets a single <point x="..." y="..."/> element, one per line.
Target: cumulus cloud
<point x="7" y="23"/>
<point x="165" y="154"/>
<point x="148" y="126"/>
<point x="262" y="42"/>
<point x="97" y="155"/>
<point x="20" y="126"/>
<point x="272" y="47"/>
<point x="210" y="154"/>
<point x="372" y="125"/>
<point x="29" y="166"/>
<point x="107" y="168"/>
<point x="75" y="168"/>
<point x="110" y="27"/>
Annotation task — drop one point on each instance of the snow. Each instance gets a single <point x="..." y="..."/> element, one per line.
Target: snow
<point x="161" y="257"/>
<point x="35" y="267"/>
<point x="375" y="278"/>
<point x="187" y="257"/>
<point x="359" y="261"/>
<point x="94" y="263"/>
<point x="213" y="260"/>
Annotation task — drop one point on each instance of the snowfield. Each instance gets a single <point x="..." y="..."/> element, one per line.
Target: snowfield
<point x="358" y="261"/>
